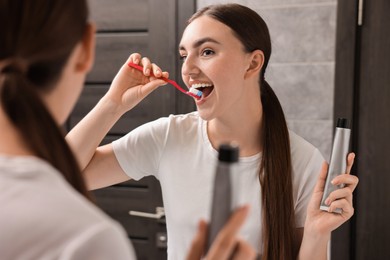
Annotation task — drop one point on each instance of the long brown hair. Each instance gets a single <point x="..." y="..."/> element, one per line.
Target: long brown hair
<point x="35" y="43"/>
<point x="275" y="168"/>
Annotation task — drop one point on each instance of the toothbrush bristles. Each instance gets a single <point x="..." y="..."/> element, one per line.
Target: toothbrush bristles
<point x="195" y="93"/>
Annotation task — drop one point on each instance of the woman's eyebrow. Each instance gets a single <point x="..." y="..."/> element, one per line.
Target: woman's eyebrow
<point x="200" y="42"/>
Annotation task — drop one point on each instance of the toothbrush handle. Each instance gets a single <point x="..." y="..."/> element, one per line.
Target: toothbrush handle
<point x="173" y="83"/>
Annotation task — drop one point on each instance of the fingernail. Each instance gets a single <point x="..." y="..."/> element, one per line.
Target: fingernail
<point x="136" y="61"/>
<point x="147" y="72"/>
<point x="157" y="73"/>
<point x="244" y="207"/>
<point x="201" y="223"/>
<point x="327" y="201"/>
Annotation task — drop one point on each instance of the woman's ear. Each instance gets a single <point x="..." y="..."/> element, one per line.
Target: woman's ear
<point x="87" y="50"/>
<point x="256" y="63"/>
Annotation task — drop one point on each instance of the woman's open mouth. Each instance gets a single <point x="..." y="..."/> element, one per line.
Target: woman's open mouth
<point x="205" y="88"/>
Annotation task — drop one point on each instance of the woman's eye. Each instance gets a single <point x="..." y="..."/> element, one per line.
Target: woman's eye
<point x="183" y="57"/>
<point x="207" y="52"/>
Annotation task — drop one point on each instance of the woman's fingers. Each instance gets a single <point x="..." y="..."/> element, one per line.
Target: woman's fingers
<point x="130" y="85"/>
<point x="147" y="66"/>
<point x="199" y="242"/>
<point x="350" y="161"/>
<point x="134" y="58"/>
<point x="226" y="240"/>
<point x="343" y="198"/>
<point x="149" y="69"/>
<point x="151" y="86"/>
<point x="344" y="193"/>
<point x="244" y="251"/>
<point x="156" y="70"/>
<point x="347" y="209"/>
<point x="226" y="244"/>
<point x="318" y="190"/>
<point x="233" y="225"/>
<point x="350" y="181"/>
<point x="320" y="185"/>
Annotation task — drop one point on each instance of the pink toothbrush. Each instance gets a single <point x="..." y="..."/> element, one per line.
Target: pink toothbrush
<point x="192" y="92"/>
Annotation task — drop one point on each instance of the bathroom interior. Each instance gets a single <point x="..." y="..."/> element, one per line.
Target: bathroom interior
<point x="330" y="59"/>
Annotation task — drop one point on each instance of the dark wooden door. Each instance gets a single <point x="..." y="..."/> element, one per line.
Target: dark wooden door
<point x="363" y="93"/>
<point x="152" y="28"/>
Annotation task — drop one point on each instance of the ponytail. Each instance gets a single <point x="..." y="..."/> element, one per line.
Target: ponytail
<point x="40" y="132"/>
<point x="33" y="54"/>
<point x="275" y="168"/>
<point x="275" y="179"/>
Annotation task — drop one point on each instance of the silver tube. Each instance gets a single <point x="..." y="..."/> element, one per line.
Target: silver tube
<point x="338" y="160"/>
<point x="222" y="193"/>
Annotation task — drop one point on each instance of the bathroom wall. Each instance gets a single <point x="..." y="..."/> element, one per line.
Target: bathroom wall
<point x="301" y="69"/>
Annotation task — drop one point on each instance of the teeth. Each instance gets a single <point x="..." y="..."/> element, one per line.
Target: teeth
<point x="201" y="85"/>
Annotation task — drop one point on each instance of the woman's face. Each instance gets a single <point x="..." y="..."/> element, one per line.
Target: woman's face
<point x="214" y="59"/>
<point x="61" y="99"/>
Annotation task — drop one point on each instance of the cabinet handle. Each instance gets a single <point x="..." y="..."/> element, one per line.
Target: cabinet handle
<point x="160" y="213"/>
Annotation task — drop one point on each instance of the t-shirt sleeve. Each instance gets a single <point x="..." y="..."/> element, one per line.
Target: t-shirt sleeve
<point x="103" y="241"/>
<point x="306" y="186"/>
<point x="139" y="152"/>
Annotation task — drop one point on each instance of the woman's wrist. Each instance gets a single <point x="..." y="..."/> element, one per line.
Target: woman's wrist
<point x="314" y="245"/>
<point x="316" y="237"/>
<point x="111" y="107"/>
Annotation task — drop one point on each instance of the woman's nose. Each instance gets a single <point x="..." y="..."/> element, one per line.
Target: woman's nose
<point x="189" y="67"/>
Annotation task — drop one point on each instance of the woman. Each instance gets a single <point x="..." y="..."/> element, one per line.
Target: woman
<point x="225" y="51"/>
<point x="44" y="210"/>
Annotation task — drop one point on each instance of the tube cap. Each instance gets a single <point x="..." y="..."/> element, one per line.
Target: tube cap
<point x="228" y="153"/>
<point x="342" y="123"/>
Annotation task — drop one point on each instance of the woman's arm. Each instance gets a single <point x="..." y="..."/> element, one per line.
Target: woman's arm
<point x="128" y="88"/>
<point x="319" y="224"/>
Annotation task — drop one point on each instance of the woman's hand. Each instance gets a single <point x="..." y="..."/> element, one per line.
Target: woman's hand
<point x="320" y="222"/>
<point x="226" y="245"/>
<point x="130" y="86"/>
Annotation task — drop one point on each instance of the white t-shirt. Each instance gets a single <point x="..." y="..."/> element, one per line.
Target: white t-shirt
<point x="178" y="152"/>
<point x="43" y="217"/>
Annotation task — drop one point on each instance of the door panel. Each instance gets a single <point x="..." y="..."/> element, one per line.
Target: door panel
<point x="149" y="109"/>
<point x="149" y="27"/>
<point x="120" y="15"/>
<point x="119" y="200"/>
<point x="373" y="204"/>
<point x="363" y="90"/>
<point x="112" y="50"/>
<point x="341" y="242"/>
<point x="147" y="235"/>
